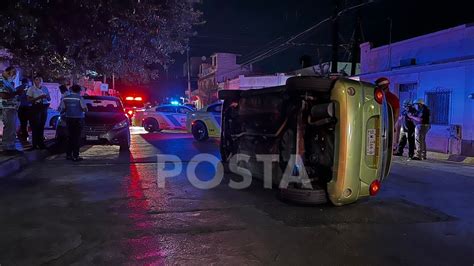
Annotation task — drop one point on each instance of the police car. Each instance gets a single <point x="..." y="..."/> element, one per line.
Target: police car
<point x="164" y="117"/>
<point x="206" y="122"/>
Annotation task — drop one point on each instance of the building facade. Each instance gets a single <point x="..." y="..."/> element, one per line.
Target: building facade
<point x="222" y="67"/>
<point x="439" y="68"/>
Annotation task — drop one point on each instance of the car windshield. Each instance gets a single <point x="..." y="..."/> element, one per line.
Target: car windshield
<point x="103" y="106"/>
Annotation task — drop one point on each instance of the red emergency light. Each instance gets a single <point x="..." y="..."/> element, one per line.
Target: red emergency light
<point x="138" y="99"/>
<point x="129" y="98"/>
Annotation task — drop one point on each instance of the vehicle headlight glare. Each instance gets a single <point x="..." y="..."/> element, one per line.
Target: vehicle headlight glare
<point x="121" y="125"/>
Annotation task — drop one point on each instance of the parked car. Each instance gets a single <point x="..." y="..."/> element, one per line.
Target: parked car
<point x="341" y="129"/>
<point x="105" y="123"/>
<point x="164" y="117"/>
<point x="133" y="104"/>
<point x="206" y="122"/>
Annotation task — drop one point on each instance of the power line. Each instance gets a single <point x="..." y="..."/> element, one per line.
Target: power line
<point x="288" y="43"/>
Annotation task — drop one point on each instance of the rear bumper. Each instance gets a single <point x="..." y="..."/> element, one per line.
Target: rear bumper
<point x="112" y="137"/>
<point x="357" y="162"/>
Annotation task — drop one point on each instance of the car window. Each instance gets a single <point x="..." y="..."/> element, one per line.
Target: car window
<point x="166" y="109"/>
<point x="215" y="108"/>
<point x="103" y="106"/>
<point x="183" y="110"/>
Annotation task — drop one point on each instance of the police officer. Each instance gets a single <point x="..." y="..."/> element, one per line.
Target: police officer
<point x="9" y="106"/>
<point x="74" y="108"/>
<point x="407" y="132"/>
<point x="36" y="95"/>
<point x="423" y="126"/>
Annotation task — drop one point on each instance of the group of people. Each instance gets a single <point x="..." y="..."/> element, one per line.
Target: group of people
<point x="27" y="103"/>
<point x="413" y="123"/>
<point x="30" y="104"/>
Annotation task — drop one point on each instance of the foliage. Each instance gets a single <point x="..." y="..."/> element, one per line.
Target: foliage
<point x="132" y="39"/>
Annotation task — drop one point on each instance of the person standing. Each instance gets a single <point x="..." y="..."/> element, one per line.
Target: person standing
<point x="24" y="111"/>
<point x="423" y="126"/>
<point x="407" y="132"/>
<point x="9" y="105"/>
<point x="74" y="108"/>
<point x="394" y="102"/>
<point x="36" y="94"/>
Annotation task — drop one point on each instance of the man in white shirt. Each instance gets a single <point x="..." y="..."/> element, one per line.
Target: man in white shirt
<point x="36" y="95"/>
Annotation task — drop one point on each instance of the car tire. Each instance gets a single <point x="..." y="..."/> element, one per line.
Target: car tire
<point x="229" y="94"/>
<point x="316" y="84"/>
<point x="53" y="122"/>
<point x="151" y="125"/>
<point x="199" y="131"/>
<point x="125" y="146"/>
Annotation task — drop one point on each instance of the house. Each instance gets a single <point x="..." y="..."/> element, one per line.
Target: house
<point x="222" y="67"/>
<point x="439" y="68"/>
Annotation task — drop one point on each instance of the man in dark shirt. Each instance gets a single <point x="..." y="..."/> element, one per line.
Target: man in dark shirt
<point x="407" y="132"/>
<point x="423" y="126"/>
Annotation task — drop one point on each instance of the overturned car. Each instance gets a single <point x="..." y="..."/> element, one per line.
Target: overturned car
<point x="335" y="133"/>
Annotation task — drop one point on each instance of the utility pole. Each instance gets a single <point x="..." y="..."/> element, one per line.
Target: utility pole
<point x="357" y="40"/>
<point x="335" y="36"/>
<point x="390" y="45"/>
<point x="188" y="66"/>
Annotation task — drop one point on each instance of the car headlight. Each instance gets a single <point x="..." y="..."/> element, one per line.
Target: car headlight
<point x="122" y="124"/>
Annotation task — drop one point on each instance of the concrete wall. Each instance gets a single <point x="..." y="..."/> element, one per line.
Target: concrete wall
<point x="447" y="45"/>
<point x="458" y="78"/>
<point x="444" y="60"/>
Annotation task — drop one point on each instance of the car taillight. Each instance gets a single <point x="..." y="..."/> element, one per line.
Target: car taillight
<point x="374" y="188"/>
<point x="378" y="95"/>
<point x="130" y="113"/>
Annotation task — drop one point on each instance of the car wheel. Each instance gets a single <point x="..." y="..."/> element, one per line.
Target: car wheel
<point x="151" y="125"/>
<point x="125" y="146"/>
<point x="54" y="121"/>
<point x="199" y="131"/>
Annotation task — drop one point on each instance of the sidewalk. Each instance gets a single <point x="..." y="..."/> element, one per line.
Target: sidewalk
<point x="450" y="158"/>
<point x="12" y="164"/>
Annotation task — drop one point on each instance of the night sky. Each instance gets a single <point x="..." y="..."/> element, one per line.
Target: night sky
<point x="245" y="26"/>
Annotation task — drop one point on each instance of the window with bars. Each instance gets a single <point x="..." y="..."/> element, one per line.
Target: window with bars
<point x="439" y="103"/>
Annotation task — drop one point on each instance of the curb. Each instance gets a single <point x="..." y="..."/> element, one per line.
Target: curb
<point x="450" y="158"/>
<point x="18" y="163"/>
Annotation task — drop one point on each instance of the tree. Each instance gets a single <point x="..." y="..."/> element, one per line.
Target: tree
<point x="132" y="39"/>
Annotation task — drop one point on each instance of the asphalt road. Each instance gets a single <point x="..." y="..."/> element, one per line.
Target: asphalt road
<point x="109" y="210"/>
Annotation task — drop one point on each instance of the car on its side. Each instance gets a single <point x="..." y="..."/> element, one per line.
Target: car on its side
<point x="205" y="123"/>
<point x="105" y="123"/>
<point x="340" y="129"/>
<point x="163" y="117"/>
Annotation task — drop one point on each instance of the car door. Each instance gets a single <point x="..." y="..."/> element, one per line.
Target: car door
<point x="181" y="116"/>
<point x="165" y="117"/>
<point x="216" y="113"/>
